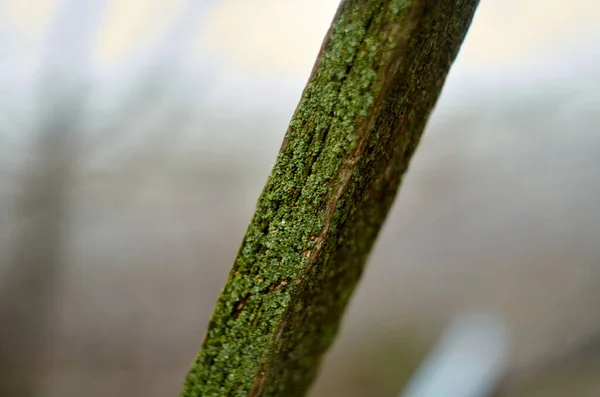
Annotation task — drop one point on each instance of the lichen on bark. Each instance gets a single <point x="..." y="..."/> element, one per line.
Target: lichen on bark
<point x="377" y="77"/>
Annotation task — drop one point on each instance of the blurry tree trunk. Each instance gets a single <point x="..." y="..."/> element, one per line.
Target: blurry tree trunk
<point x="36" y="262"/>
<point x="376" y="80"/>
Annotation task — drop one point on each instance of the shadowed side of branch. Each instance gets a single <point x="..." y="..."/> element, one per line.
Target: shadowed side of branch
<point x="376" y="80"/>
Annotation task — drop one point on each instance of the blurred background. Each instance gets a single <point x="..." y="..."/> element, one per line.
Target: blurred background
<point x="136" y="136"/>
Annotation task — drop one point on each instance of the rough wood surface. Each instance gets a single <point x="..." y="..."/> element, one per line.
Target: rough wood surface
<point x="376" y="80"/>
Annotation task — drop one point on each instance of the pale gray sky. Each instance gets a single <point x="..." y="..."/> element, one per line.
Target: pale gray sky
<point x="282" y="37"/>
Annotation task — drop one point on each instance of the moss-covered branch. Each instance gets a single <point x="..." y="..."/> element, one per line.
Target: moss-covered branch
<point x="376" y="80"/>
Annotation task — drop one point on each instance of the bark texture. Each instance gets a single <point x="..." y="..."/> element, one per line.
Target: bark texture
<point x="376" y="80"/>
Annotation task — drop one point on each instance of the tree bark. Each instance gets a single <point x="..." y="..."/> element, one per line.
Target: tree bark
<point x="376" y="80"/>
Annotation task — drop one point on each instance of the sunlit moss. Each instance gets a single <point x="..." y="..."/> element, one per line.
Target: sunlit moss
<point x="348" y="144"/>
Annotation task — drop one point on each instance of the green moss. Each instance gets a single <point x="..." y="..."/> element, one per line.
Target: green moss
<point x="338" y="170"/>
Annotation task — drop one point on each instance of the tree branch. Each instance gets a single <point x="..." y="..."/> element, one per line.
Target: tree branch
<point x="376" y="80"/>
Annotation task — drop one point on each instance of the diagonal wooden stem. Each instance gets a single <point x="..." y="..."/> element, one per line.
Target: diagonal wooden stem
<point x="376" y="80"/>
